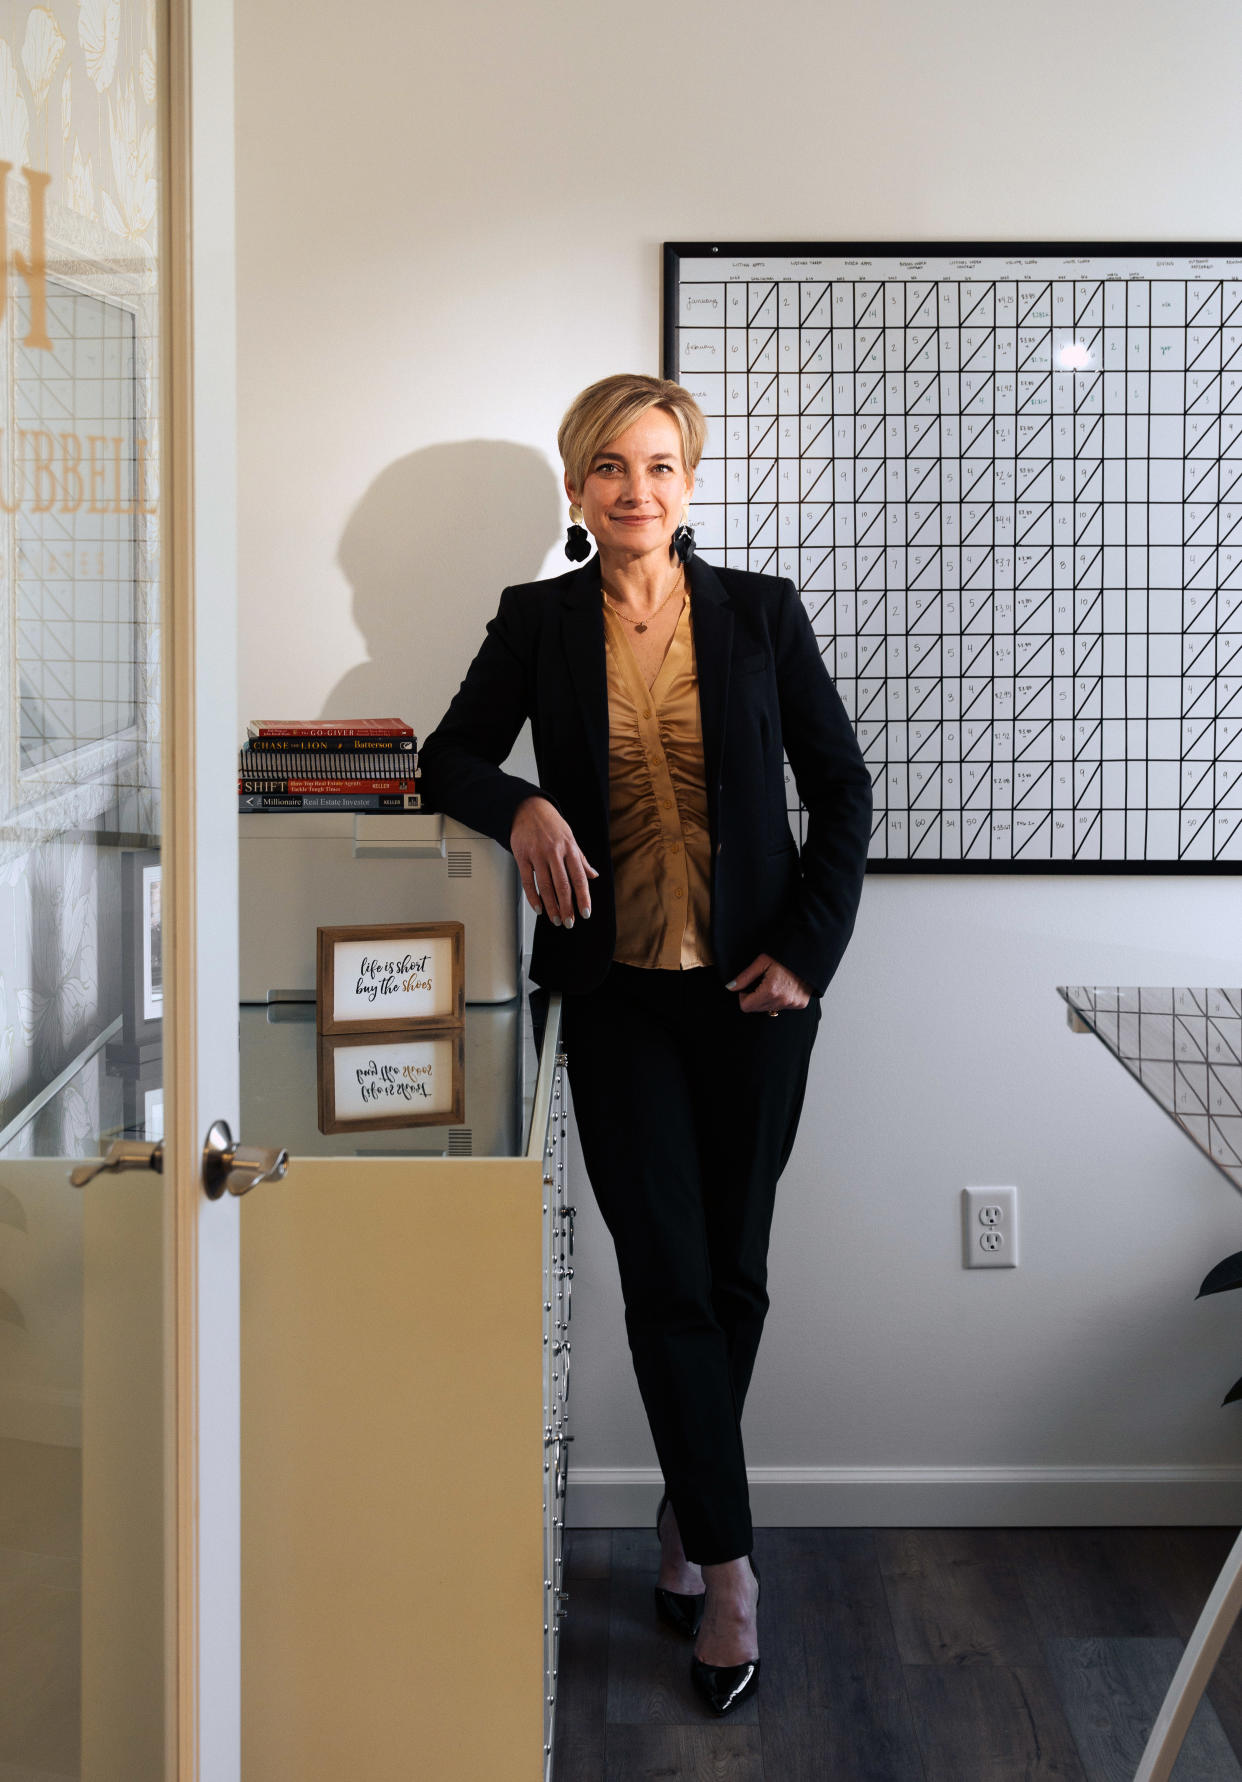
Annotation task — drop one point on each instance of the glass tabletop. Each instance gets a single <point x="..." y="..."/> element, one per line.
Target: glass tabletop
<point x="106" y="1094"/>
<point x="1185" y="1047"/>
<point x="283" y="1059"/>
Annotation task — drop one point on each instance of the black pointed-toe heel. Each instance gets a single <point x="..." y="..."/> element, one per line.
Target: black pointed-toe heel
<point x="685" y="1613"/>
<point x="726" y="1686"/>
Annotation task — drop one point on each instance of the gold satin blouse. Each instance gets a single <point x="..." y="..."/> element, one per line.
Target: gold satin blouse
<point x="657" y="823"/>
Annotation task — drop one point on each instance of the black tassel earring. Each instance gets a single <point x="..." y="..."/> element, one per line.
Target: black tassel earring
<point x="681" y="545"/>
<point x="577" y="539"/>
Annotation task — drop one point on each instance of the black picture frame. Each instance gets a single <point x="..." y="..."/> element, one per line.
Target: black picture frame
<point x="1179" y="832"/>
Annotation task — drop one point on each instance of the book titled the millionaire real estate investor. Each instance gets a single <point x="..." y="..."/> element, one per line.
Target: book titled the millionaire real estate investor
<point x="329" y="801"/>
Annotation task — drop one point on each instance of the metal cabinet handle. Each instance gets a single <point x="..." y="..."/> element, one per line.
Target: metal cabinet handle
<point x="239" y="1168"/>
<point x="122" y="1154"/>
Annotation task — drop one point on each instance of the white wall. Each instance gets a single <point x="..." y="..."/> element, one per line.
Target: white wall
<point x="449" y="222"/>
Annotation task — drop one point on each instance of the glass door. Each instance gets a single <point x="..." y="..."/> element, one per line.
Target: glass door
<point x="114" y="1665"/>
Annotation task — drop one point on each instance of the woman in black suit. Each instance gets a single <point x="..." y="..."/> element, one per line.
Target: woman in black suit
<point x="691" y="941"/>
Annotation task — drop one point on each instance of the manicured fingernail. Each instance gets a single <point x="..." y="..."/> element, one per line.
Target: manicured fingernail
<point x="555" y="921"/>
<point x="732" y="984"/>
<point x="569" y="921"/>
<point x="586" y="914"/>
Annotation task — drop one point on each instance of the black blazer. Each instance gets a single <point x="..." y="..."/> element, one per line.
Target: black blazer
<point x="763" y="689"/>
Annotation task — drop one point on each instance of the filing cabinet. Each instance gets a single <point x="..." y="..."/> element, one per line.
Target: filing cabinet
<point x="406" y="1359"/>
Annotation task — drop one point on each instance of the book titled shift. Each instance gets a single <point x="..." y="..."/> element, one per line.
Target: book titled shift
<point x="271" y="783"/>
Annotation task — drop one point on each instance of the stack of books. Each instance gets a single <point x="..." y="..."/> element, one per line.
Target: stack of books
<point x="329" y="764"/>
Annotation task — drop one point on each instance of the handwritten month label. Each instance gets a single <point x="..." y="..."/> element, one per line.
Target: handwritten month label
<point x="403" y="1076"/>
<point x="393" y="980"/>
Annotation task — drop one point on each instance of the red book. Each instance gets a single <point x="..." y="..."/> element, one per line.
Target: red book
<point x="328" y="727"/>
<point x="269" y="784"/>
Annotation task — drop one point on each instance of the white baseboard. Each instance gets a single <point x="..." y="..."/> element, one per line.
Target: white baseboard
<point x="41" y="1414"/>
<point x="935" y="1497"/>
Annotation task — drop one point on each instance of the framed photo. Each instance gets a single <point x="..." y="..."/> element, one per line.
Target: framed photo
<point x="390" y="978"/>
<point x="415" y="1078"/>
<point x="142" y="953"/>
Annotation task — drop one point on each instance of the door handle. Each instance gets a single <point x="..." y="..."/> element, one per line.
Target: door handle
<point x="122" y="1154"/>
<point x="239" y="1168"/>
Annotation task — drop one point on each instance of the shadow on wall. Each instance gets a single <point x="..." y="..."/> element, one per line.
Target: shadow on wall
<point x="427" y="551"/>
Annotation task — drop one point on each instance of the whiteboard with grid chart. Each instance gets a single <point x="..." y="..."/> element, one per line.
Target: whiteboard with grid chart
<point x="1008" y="482"/>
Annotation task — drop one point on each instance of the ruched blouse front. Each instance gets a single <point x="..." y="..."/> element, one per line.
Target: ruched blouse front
<point x="658" y="825"/>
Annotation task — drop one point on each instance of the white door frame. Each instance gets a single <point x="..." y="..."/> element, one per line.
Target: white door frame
<point x="200" y="880"/>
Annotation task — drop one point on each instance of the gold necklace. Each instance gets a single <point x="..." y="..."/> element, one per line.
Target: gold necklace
<point x="641" y="624"/>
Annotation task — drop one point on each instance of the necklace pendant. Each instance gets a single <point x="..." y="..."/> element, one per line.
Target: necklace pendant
<point x="642" y="626"/>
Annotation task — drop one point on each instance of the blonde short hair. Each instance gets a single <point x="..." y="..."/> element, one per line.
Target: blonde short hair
<point x="607" y="408"/>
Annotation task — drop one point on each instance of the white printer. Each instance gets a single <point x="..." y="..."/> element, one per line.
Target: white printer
<point x="302" y="870"/>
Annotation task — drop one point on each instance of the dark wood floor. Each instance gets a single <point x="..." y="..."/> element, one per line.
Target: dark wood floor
<point x="904" y="1655"/>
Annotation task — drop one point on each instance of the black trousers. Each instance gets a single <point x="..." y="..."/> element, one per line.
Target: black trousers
<point x="687" y="1111"/>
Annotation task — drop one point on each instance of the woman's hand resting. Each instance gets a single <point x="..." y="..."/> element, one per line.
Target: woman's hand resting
<point x="553" y="867"/>
<point x="770" y="987"/>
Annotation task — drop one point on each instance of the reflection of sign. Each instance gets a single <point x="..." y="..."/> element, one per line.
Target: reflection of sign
<point x="71" y="473"/>
<point x="414" y="1079"/>
<point x="34" y="269"/>
<point x="396" y="975"/>
<point x="76" y="477"/>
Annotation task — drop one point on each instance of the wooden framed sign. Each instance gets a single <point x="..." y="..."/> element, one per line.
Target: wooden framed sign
<point x="393" y="976"/>
<point x="415" y="1078"/>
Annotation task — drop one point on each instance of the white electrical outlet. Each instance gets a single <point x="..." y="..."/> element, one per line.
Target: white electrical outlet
<point x="989" y="1228"/>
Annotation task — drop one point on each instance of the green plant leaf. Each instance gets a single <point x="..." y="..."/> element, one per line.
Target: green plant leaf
<point x="1225" y="1275"/>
